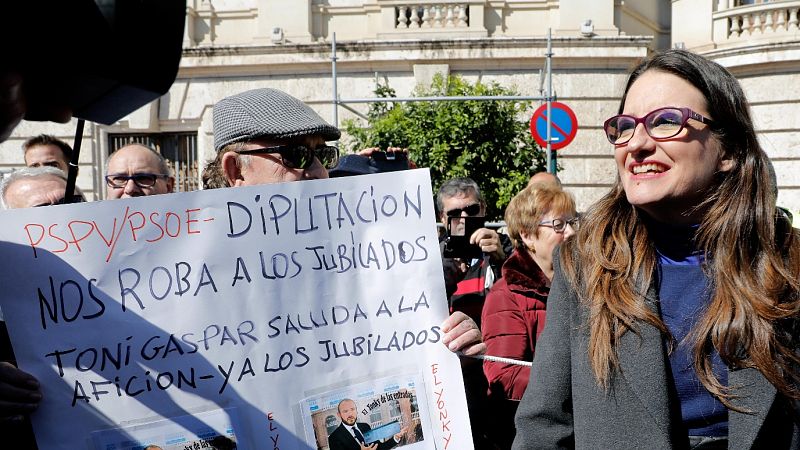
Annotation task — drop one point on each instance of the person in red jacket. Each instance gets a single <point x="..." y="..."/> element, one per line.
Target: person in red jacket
<point x="539" y="218"/>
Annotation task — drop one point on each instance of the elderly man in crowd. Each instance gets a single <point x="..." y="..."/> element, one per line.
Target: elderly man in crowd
<point x="36" y="186"/>
<point x="468" y="279"/>
<point x="136" y="170"/>
<point x="46" y="150"/>
<point x="266" y="136"/>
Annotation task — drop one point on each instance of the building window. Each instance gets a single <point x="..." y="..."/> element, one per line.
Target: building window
<point x="750" y="2"/>
<point x="179" y="149"/>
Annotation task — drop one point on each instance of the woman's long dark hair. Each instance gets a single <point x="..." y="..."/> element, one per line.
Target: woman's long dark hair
<point x="753" y="254"/>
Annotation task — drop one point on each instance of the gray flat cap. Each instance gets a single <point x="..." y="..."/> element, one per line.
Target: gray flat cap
<point x="266" y="113"/>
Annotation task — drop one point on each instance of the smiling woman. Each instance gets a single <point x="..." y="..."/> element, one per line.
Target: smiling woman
<point x="667" y="165"/>
<point x="673" y="313"/>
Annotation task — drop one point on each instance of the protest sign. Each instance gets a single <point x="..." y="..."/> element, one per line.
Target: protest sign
<point x="223" y="318"/>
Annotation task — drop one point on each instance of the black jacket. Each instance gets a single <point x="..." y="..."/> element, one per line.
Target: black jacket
<point x="341" y="439"/>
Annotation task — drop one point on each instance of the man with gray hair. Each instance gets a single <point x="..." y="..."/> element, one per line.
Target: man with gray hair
<point x="468" y="279"/>
<point x="267" y="136"/>
<point x="136" y="170"/>
<point x="36" y="186"/>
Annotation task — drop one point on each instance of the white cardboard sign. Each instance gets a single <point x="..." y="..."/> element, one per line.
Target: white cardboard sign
<point x="243" y="315"/>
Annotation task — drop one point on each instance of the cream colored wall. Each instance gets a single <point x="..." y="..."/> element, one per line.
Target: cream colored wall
<point x="691" y="22"/>
<point x="646" y="19"/>
<point x="243" y="22"/>
<point x="778" y="126"/>
<point x="571" y="14"/>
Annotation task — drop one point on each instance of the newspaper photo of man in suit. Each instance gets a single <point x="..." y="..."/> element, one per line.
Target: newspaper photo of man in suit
<point x="349" y="435"/>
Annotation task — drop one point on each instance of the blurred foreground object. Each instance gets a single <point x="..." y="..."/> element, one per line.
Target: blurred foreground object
<point x="133" y="48"/>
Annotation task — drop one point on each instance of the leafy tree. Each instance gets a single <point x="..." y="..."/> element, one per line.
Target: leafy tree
<point x="483" y="140"/>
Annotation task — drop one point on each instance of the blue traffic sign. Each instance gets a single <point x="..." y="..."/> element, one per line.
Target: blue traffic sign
<point x="564" y="125"/>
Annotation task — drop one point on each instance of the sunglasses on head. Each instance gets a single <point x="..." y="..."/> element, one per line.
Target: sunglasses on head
<point x="300" y="156"/>
<point x="471" y="210"/>
<point x="143" y="180"/>
<point x="663" y="123"/>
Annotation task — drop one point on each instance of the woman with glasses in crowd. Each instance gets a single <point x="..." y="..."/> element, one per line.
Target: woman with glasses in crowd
<point x="672" y="317"/>
<point x="539" y="218"/>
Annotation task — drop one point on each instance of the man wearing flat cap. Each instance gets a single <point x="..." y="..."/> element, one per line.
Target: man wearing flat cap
<point x="267" y="136"/>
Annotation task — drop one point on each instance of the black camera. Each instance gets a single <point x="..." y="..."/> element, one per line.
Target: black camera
<point x="388" y="161"/>
<point x="459" y="230"/>
<point x="377" y="162"/>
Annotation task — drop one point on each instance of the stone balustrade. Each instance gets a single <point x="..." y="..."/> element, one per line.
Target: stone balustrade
<point x="432" y="15"/>
<point x="770" y="20"/>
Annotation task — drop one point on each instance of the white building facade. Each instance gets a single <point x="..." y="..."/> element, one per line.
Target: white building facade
<point x="234" y="45"/>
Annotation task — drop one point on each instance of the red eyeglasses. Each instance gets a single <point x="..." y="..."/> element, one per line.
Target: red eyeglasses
<point x="663" y="123"/>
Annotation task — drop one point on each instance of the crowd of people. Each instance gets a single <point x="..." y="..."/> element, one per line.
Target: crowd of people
<point x="664" y="316"/>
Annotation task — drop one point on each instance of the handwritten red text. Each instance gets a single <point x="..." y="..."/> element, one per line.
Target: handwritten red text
<point x="136" y="226"/>
<point x="438" y="391"/>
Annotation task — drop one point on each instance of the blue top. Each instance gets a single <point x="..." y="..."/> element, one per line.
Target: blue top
<point x="684" y="292"/>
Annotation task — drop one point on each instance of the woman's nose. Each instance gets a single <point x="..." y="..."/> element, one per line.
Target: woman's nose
<point x="640" y="140"/>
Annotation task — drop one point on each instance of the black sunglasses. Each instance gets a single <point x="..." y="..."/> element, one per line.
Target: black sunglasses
<point x="471" y="210"/>
<point x="143" y="180"/>
<point x="300" y="156"/>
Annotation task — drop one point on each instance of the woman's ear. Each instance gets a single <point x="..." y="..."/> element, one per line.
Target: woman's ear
<point x="527" y="241"/>
<point x="726" y="164"/>
<point x="232" y="169"/>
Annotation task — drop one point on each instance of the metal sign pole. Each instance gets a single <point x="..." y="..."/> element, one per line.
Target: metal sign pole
<point x="335" y="89"/>
<point x="551" y="156"/>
